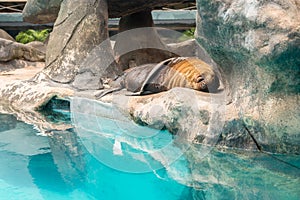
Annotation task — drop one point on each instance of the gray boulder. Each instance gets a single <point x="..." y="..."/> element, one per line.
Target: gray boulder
<point x="191" y="48"/>
<point x="5" y="35"/>
<point x="18" y="64"/>
<point x="137" y="43"/>
<point x="10" y="50"/>
<point x="41" y="11"/>
<point x="37" y="45"/>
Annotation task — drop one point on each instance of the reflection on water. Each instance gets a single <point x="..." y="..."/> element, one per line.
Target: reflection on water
<point x="59" y="167"/>
<point x="241" y="175"/>
<point x="85" y="163"/>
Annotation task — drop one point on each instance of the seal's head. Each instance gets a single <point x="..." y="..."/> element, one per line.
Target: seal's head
<point x="206" y="81"/>
<point x="197" y="74"/>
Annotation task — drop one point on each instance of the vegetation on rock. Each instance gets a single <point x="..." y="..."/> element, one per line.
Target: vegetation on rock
<point x="188" y="34"/>
<point x="32" y="35"/>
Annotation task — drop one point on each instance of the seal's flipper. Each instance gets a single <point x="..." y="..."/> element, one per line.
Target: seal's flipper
<point x="139" y="93"/>
<point x="102" y="93"/>
<point x="158" y="67"/>
<point x="133" y="94"/>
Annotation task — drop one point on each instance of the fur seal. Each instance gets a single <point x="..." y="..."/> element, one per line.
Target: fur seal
<point x="189" y="72"/>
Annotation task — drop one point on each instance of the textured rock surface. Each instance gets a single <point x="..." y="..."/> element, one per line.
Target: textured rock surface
<point x="37" y="45"/>
<point x="33" y="117"/>
<point x="137" y="43"/>
<point x="257" y="45"/>
<point x="10" y="50"/>
<point x="24" y="98"/>
<point x="5" y="35"/>
<point x="187" y="113"/>
<point x="191" y="48"/>
<point x="29" y="95"/>
<point x="39" y="11"/>
<point x="6" y="67"/>
<point x="74" y="45"/>
<point x="199" y="117"/>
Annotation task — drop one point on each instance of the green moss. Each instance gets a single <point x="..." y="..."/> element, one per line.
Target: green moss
<point x="188" y="34"/>
<point x="32" y="35"/>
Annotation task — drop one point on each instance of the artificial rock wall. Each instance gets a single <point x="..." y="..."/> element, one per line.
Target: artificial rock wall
<point x="257" y="46"/>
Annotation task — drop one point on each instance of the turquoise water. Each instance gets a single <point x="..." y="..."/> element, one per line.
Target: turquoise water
<point x="70" y="165"/>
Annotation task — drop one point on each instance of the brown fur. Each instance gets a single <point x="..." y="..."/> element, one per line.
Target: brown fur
<point x="181" y="72"/>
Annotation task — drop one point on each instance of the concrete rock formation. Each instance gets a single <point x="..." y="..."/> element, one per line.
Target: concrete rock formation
<point x="6" y="67"/>
<point x="141" y="46"/>
<point x="5" y="35"/>
<point x="73" y="50"/>
<point x="37" y="45"/>
<point x="10" y="50"/>
<point x="257" y="45"/>
<point x="41" y="12"/>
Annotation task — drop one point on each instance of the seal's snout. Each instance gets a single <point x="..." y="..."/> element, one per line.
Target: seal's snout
<point x="206" y="82"/>
<point x="203" y="86"/>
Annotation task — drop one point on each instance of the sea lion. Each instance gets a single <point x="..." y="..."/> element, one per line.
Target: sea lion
<point x="189" y="72"/>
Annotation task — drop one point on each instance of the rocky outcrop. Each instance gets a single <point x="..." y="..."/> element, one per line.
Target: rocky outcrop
<point x="10" y="50"/>
<point x="5" y="35"/>
<point x="24" y="97"/>
<point x="256" y="44"/>
<point x="78" y="56"/>
<point x="191" y="48"/>
<point x="137" y="43"/>
<point x="37" y="45"/>
<point x="7" y="67"/>
<point x="40" y="120"/>
<point x="184" y="112"/>
<point x="40" y="12"/>
<point x="28" y="95"/>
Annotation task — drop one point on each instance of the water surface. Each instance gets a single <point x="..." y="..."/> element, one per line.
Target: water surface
<point x="66" y="165"/>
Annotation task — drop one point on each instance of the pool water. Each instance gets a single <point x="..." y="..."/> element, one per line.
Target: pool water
<point x="39" y="167"/>
<point x="69" y="165"/>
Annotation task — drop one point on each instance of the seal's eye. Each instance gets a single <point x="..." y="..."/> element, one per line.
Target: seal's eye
<point x="199" y="79"/>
